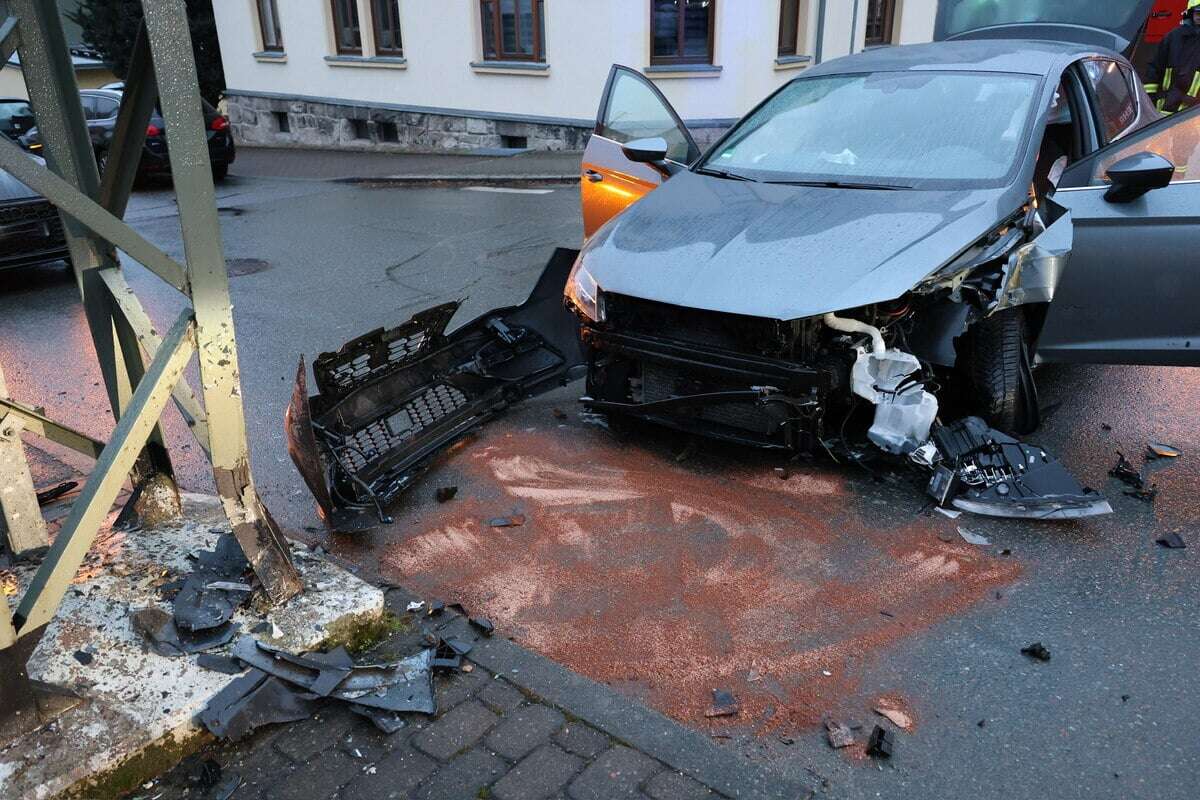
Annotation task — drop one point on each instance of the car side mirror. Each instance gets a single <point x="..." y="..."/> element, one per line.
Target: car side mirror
<point x="1132" y="177"/>
<point x="646" y="151"/>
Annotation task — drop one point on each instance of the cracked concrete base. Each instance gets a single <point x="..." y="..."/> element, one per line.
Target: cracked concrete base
<point x="139" y="706"/>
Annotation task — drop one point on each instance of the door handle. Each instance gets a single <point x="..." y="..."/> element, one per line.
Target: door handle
<point x="593" y="176"/>
<point x="1160" y="14"/>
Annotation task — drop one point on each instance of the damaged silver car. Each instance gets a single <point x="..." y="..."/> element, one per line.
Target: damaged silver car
<point x="889" y="237"/>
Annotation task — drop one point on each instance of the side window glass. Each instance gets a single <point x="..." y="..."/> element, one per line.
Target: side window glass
<point x="1176" y="139"/>
<point x="1117" y="105"/>
<point x="106" y="108"/>
<point x="89" y="106"/>
<point x="635" y="112"/>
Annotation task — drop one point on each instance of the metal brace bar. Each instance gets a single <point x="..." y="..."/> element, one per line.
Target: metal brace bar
<point x="139" y="321"/>
<point x="39" y="602"/>
<point x="8" y="635"/>
<point x="36" y="422"/>
<point x="129" y="134"/>
<point x="10" y="39"/>
<point x="220" y="380"/>
<point x="18" y="497"/>
<point x="90" y="214"/>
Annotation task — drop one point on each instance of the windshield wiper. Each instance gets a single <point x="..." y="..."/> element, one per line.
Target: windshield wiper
<point x="726" y="174"/>
<point x="843" y="185"/>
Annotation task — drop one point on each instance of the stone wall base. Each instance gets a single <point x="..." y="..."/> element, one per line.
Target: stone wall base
<point x="264" y="121"/>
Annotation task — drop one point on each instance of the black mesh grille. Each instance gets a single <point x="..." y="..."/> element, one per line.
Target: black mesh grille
<point x="363" y="366"/>
<point x="693" y="326"/>
<point x="384" y="435"/>
<point x="29" y="228"/>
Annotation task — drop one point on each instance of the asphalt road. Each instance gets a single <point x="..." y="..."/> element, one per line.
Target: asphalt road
<point x="667" y="577"/>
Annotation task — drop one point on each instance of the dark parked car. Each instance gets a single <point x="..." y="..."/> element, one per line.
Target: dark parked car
<point x="884" y="232"/>
<point x="31" y="231"/>
<point x="100" y="107"/>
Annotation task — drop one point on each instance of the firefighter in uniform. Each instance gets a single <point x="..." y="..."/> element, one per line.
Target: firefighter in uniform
<point x="1174" y="76"/>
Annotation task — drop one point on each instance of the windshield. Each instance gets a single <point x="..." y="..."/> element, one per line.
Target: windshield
<point x="941" y="129"/>
<point x="958" y="16"/>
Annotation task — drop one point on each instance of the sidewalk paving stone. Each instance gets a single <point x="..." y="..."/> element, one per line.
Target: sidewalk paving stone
<point x="617" y="773"/>
<point x="501" y="697"/>
<point x="671" y="785"/>
<point x="523" y="730"/>
<point x="539" y="775"/>
<point x="581" y="740"/>
<point x="463" y="777"/>
<point x="460" y="728"/>
<point x="395" y="777"/>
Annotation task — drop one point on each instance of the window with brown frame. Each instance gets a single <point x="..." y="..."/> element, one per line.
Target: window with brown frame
<point x="385" y="16"/>
<point x="347" y="35"/>
<point x="881" y="18"/>
<point x="513" y="30"/>
<point x="789" y="27"/>
<point x="681" y="31"/>
<point x="268" y="25"/>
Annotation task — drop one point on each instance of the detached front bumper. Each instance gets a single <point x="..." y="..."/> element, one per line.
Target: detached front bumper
<point x="390" y="401"/>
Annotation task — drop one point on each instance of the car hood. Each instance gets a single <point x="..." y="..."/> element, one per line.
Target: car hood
<point x="784" y="252"/>
<point x="13" y="189"/>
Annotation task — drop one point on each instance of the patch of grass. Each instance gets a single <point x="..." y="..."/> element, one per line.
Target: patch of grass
<point x="359" y="635"/>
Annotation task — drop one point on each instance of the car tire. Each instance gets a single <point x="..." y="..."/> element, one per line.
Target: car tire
<point x="1000" y="375"/>
<point x="220" y="171"/>
<point x="101" y="161"/>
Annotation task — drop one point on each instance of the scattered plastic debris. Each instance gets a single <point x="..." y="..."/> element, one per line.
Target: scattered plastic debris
<point x="515" y="521"/>
<point x="483" y="625"/>
<point x="724" y="704"/>
<point x="84" y="657"/>
<point x="839" y="734"/>
<point x="217" y="663"/>
<point x="973" y="538"/>
<point x="1160" y="450"/>
<point x="160" y="631"/>
<point x="48" y="496"/>
<point x="1171" y="541"/>
<point x="445" y="494"/>
<point x="414" y="606"/>
<point x="1146" y="494"/>
<point x="202" y="604"/>
<point x="1125" y="472"/>
<point x="895" y="716"/>
<point x="1036" y="650"/>
<point x="436" y="607"/>
<point x="881" y="743"/>
<point x="948" y="512"/>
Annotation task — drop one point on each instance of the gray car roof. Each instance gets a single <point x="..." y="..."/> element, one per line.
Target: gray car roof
<point x="1032" y="57"/>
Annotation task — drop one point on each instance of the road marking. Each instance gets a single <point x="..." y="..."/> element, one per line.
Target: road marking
<point x="505" y="190"/>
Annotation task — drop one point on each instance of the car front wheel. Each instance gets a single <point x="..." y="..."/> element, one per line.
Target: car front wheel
<point x="220" y="171"/>
<point x="999" y="372"/>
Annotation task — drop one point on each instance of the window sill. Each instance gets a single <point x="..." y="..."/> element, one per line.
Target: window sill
<point x="792" y="62"/>
<point x="271" y="56"/>
<point x="532" y="68"/>
<point x="383" y="62"/>
<point x="683" y="70"/>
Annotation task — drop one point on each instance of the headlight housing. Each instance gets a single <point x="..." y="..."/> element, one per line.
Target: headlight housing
<point x="583" y="293"/>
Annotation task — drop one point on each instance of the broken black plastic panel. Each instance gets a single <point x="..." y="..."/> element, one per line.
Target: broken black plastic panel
<point x="988" y="472"/>
<point x="389" y="401"/>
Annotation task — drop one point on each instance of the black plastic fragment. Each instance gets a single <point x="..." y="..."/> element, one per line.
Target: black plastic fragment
<point x="199" y="606"/>
<point x="1126" y="473"/>
<point x="48" y="496"/>
<point x="445" y="494"/>
<point x="1171" y="541"/>
<point x="881" y="743"/>
<point x="436" y="607"/>
<point x="159" y="630"/>
<point x="483" y="625"/>
<point x="254" y="700"/>
<point x="216" y="663"/>
<point x="724" y="704"/>
<point x="83" y="657"/>
<point x="387" y="721"/>
<point x="1037" y="651"/>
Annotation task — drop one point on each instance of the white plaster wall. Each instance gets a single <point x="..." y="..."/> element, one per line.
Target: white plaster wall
<point x="584" y="37"/>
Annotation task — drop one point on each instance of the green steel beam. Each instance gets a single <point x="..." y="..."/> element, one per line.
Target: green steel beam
<point x="8" y="634"/>
<point x="18" y="498"/>
<point x="129" y="134"/>
<point x="37" y="423"/>
<point x="90" y="214"/>
<point x="220" y="380"/>
<point x="39" y="602"/>
<point x="10" y="39"/>
<point x="124" y="298"/>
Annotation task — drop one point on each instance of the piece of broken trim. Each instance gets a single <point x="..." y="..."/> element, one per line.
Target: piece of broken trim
<point x="987" y="472"/>
<point x="839" y="734"/>
<point x="1160" y="450"/>
<point x="1171" y="541"/>
<point x="253" y="700"/>
<point x="1036" y="651"/>
<point x="724" y="704"/>
<point x="882" y="743"/>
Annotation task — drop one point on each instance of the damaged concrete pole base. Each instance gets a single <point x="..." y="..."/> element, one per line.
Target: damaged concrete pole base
<point x="155" y="500"/>
<point x="258" y="534"/>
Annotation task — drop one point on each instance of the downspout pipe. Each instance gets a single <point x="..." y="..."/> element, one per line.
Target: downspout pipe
<point x="820" y="48"/>
<point x="854" y="326"/>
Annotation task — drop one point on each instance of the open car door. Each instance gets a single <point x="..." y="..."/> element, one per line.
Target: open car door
<point x="1131" y="289"/>
<point x="1115" y="24"/>
<point x="631" y="108"/>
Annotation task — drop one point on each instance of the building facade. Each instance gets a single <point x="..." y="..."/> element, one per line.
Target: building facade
<point x="469" y="74"/>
